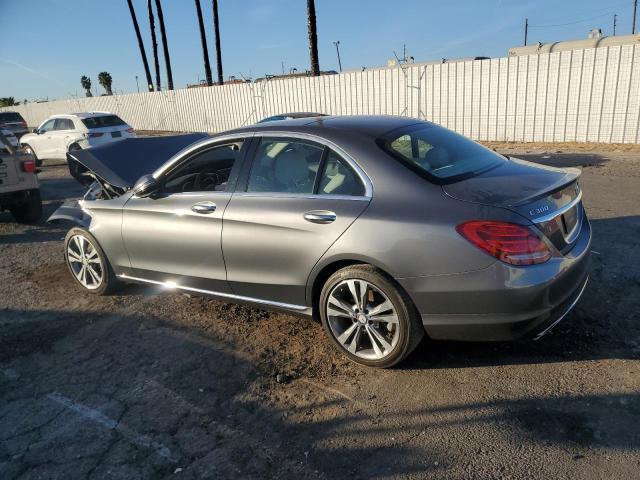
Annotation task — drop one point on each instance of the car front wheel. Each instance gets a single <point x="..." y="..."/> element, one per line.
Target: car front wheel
<point x="87" y="263"/>
<point x="368" y="317"/>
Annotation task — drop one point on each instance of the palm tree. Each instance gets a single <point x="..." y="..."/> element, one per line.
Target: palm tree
<point x="165" y="48"/>
<point x="313" y="37"/>
<point x="203" y="39"/>
<point x="7" y="102"/>
<point x="154" y="44"/>
<point x="86" y="84"/>
<point x="141" y="46"/>
<point x="216" y="28"/>
<point x="104" y="79"/>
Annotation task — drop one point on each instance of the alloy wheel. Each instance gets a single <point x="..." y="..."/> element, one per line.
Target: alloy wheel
<point x="85" y="262"/>
<point x="362" y="319"/>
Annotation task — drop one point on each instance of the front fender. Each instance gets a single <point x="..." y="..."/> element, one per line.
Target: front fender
<point x="71" y="211"/>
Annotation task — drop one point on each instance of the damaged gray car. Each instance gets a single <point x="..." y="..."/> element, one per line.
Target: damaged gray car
<point x="384" y="228"/>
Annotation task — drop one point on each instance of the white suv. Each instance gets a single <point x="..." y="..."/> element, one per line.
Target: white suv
<point x="61" y="133"/>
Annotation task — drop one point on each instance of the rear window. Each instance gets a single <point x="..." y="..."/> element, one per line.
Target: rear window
<point x="10" y="117"/>
<point x="104" y="121"/>
<point x="439" y="154"/>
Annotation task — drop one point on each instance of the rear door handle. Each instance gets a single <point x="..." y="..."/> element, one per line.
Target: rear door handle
<point x="320" y="216"/>
<point x="204" y="207"/>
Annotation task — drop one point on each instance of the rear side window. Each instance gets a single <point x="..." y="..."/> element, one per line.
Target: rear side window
<point x="284" y="165"/>
<point x="439" y="154"/>
<point x="63" y="124"/>
<point x="103" y="121"/>
<point x="338" y="178"/>
<point x="11" y="117"/>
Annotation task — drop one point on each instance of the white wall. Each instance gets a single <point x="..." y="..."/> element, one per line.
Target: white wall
<point x="583" y="95"/>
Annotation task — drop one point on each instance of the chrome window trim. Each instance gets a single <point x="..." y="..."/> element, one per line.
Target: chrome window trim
<point x="230" y="296"/>
<point x="560" y="211"/>
<point x="309" y="196"/>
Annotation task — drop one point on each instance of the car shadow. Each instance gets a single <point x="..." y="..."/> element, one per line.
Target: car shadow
<point x="174" y="397"/>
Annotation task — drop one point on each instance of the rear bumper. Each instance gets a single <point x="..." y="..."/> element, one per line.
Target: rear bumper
<point x="502" y="302"/>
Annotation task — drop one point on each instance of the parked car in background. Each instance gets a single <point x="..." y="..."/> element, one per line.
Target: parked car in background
<point x="383" y="227"/>
<point x="11" y="138"/>
<point x="13" y="121"/>
<point x="60" y="134"/>
<point x="291" y="116"/>
<point x="19" y="188"/>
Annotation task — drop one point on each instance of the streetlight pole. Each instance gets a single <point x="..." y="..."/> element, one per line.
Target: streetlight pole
<point x="633" y="25"/>
<point x="337" y="44"/>
<point x="615" y="17"/>
<point x="526" y="30"/>
<point x="137" y="85"/>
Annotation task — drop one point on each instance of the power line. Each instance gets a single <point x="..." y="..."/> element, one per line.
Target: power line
<point x="609" y="12"/>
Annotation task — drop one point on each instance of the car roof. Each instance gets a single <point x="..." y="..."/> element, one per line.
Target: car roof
<point x="369" y="125"/>
<point x="91" y="114"/>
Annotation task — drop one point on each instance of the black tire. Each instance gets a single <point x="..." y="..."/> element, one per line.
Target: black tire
<point x="410" y="328"/>
<point x="29" y="150"/>
<point x="30" y="211"/>
<point x="108" y="280"/>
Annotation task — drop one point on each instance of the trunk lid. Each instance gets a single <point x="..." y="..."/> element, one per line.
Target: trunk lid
<point x="8" y="173"/>
<point x="547" y="196"/>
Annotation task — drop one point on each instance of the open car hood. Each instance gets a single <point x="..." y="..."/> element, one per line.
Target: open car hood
<point x="122" y="163"/>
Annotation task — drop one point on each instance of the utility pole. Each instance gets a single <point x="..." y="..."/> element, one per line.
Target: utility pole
<point x="614" y="24"/>
<point x="633" y="25"/>
<point x="137" y="85"/>
<point x="337" y="44"/>
<point x="526" y="30"/>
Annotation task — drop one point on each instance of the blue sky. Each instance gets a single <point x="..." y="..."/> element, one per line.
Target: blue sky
<point x="47" y="45"/>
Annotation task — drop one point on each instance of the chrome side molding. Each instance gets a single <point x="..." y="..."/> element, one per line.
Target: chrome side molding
<point x="230" y="296"/>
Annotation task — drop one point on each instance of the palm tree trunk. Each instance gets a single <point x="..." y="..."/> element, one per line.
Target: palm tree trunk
<point x="313" y="37"/>
<point x="141" y="46"/>
<point x="216" y="28"/>
<point x="205" y="50"/>
<point x="154" y="44"/>
<point x="165" y="47"/>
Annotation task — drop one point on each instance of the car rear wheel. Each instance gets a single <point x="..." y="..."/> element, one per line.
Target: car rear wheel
<point x="30" y="210"/>
<point x="368" y="317"/>
<point x="87" y="263"/>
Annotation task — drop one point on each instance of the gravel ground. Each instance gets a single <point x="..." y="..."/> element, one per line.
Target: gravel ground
<point x="146" y="384"/>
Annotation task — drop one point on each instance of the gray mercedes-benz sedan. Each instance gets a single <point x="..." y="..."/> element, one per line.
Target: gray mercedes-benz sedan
<point x="384" y="228"/>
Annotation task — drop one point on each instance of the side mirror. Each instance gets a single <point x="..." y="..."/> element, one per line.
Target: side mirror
<point x="146" y="186"/>
<point x="35" y="130"/>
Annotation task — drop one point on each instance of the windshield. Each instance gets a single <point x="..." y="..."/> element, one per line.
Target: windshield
<point x="105" y="121"/>
<point x="439" y="154"/>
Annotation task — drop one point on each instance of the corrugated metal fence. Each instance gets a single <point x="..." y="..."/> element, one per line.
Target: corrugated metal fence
<point x="583" y="95"/>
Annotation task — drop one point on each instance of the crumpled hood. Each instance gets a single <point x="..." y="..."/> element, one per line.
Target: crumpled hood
<point x="123" y="162"/>
<point x="515" y="182"/>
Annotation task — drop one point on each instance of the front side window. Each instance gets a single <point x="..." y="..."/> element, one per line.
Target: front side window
<point x="47" y="126"/>
<point x="206" y="171"/>
<point x="284" y="165"/>
<point x="338" y="178"/>
<point x="439" y="154"/>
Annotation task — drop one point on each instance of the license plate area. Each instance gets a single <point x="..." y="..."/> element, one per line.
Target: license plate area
<point x="116" y="134"/>
<point x="570" y="222"/>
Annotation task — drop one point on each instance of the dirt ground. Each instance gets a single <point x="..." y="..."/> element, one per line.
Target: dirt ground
<point x="150" y="384"/>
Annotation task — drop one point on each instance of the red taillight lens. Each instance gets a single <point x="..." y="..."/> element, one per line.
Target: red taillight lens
<point x="509" y="242"/>
<point x="129" y="130"/>
<point x="29" y="166"/>
<point x="96" y="134"/>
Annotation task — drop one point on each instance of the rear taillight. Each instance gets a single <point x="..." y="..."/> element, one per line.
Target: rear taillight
<point x="509" y="242"/>
<point x="95" y="134"/>
<point x="29" y="166"/>
<point x="129" y="130"/>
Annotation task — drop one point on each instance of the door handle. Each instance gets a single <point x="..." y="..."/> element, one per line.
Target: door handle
<point x="320" y="216"/>
<point x="204" y="207"/>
